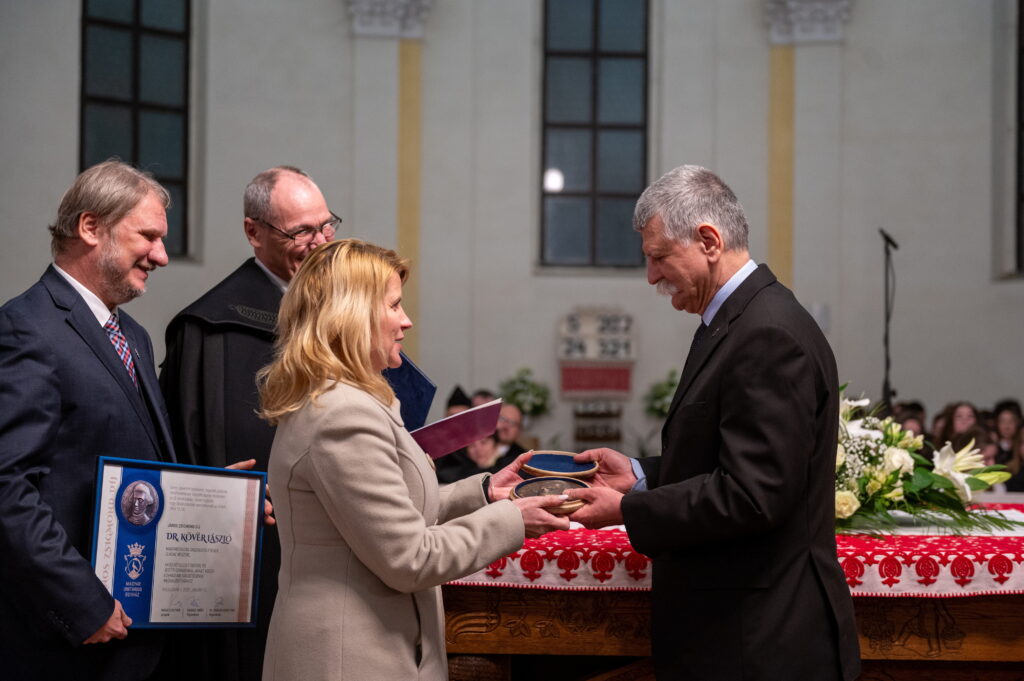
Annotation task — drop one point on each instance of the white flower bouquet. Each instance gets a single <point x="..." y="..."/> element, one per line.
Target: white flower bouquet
<point x="880" y="474"/>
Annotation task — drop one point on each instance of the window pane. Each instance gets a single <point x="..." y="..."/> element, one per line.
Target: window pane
<point x="568" y="90"/>
<point x="620" y="91"/>
<point x="570" y="24"/>
<point x="106" y="132"/>
<point x="108" y="62"/>
<point x="165" y="14"/>
<point x="114" y="10"/>
<point x="623" y="26"/>
<point x="162" y="75"/>
<point x="175" y="241"/>
<point x="617" y="242"/>
<point x="568" y="152"/>
<point x="567" y="230"/>
<point x="162" y="143"/>
<point x="620" y="161"/>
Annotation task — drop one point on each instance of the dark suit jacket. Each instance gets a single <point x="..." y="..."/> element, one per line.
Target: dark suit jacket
<point x="65" y="399"/>
<point x="739" y="514"/>
<point x="215" y="346"/>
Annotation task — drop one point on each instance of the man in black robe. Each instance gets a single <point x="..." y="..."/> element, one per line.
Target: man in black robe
<point x="215" y="346"/>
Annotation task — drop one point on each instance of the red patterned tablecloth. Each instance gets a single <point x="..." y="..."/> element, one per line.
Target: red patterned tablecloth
<point x="929" y="566"/>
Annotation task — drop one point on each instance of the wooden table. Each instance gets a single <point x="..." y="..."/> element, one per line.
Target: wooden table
<point x="902" y="637"/>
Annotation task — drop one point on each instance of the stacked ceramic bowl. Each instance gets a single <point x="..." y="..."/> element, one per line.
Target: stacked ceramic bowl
<point x="553" y="472"/>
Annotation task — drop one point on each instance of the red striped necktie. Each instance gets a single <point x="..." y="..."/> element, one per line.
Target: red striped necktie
<point x="120" y="345"/>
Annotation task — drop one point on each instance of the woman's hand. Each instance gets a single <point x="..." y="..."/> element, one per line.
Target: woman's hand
<point x="538" y="520"/>
<point x="508" y="477"/>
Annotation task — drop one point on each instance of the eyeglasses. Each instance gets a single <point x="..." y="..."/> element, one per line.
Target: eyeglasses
<point x="303" y="235"/>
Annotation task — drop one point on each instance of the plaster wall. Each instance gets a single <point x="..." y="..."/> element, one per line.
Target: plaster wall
<point x="901" y="126"/>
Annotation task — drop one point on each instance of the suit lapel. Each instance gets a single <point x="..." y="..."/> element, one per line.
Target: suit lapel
<point x="81" y="319"/>
<point x="719" y="328"/>
<point x="149" y="387"/>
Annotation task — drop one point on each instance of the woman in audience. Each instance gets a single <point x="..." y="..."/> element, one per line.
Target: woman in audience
<point x="961" y="426"/>
<point x="961" y="417"/>
<point x="367" y="538"/>
<point x="911" y="423"/>
<point x="1007" y="435"/>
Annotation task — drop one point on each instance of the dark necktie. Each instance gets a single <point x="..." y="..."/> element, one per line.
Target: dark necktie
<point x="113" y="329"/>
<point x="698" y="336"/>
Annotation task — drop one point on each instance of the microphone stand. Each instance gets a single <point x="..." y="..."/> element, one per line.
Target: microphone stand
<point x="890" y="245"/>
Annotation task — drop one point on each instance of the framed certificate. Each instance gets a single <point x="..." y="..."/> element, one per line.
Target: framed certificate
<point x="179" y="545"/>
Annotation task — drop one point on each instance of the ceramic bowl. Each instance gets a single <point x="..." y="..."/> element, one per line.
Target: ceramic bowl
<point x="550" y="462"/>
<point x="536" y="487"/>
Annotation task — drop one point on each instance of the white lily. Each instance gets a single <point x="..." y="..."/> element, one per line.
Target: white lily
<point x="855" y="429"/>
<point x="954" y="465"/>
<point x="967" y="459"/>
<point x="846" y="407"/>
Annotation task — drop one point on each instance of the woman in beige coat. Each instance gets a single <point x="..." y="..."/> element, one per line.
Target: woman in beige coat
<point x="367" y="538"/>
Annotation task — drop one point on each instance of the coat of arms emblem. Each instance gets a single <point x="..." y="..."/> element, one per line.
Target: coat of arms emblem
<point x="135" y="558"/>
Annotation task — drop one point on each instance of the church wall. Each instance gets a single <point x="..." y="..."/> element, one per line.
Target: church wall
<point x="895" y="128"/>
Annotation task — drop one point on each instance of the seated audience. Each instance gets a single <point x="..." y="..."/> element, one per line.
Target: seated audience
<point x="938" y="425"/>
<point x="1007" y="435"/>
<point x="510" y="427"/>
<point x="458" y="401"/>
<point x="960" y="418"/>
<point x="911" y="423"/>
<point x="1016" y="466"/>
<point x="910" y="409"/>
<point x="452" y="467"/>
<point x="483" y="396"/>
<point x="963" y="425"/>
<point x="481" y="456"/>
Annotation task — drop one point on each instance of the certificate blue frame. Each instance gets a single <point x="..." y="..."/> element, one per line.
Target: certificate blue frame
<point x="139" y="607"/>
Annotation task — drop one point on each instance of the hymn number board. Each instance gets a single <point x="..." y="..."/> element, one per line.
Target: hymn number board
<point x="596" y="336"/>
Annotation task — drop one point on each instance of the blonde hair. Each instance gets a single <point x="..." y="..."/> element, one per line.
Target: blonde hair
<point x="327" y="327"/>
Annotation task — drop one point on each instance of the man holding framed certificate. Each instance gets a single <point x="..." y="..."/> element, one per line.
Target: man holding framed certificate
<point x="76" y="383"/>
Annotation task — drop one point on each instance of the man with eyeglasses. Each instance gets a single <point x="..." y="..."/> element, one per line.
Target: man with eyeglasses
<point x="214" y="348"/>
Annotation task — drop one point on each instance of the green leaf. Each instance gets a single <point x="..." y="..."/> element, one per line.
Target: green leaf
<point x="921" y="460"/>
<point x="994" y="467"/>
<point x="976" y="484"/>
<point x="918" y="481"/>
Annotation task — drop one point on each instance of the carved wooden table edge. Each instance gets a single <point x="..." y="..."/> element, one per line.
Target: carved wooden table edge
<point x="974" y="628"/>
<point x="498" y="620"/>
<point x="507" y="621"/>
